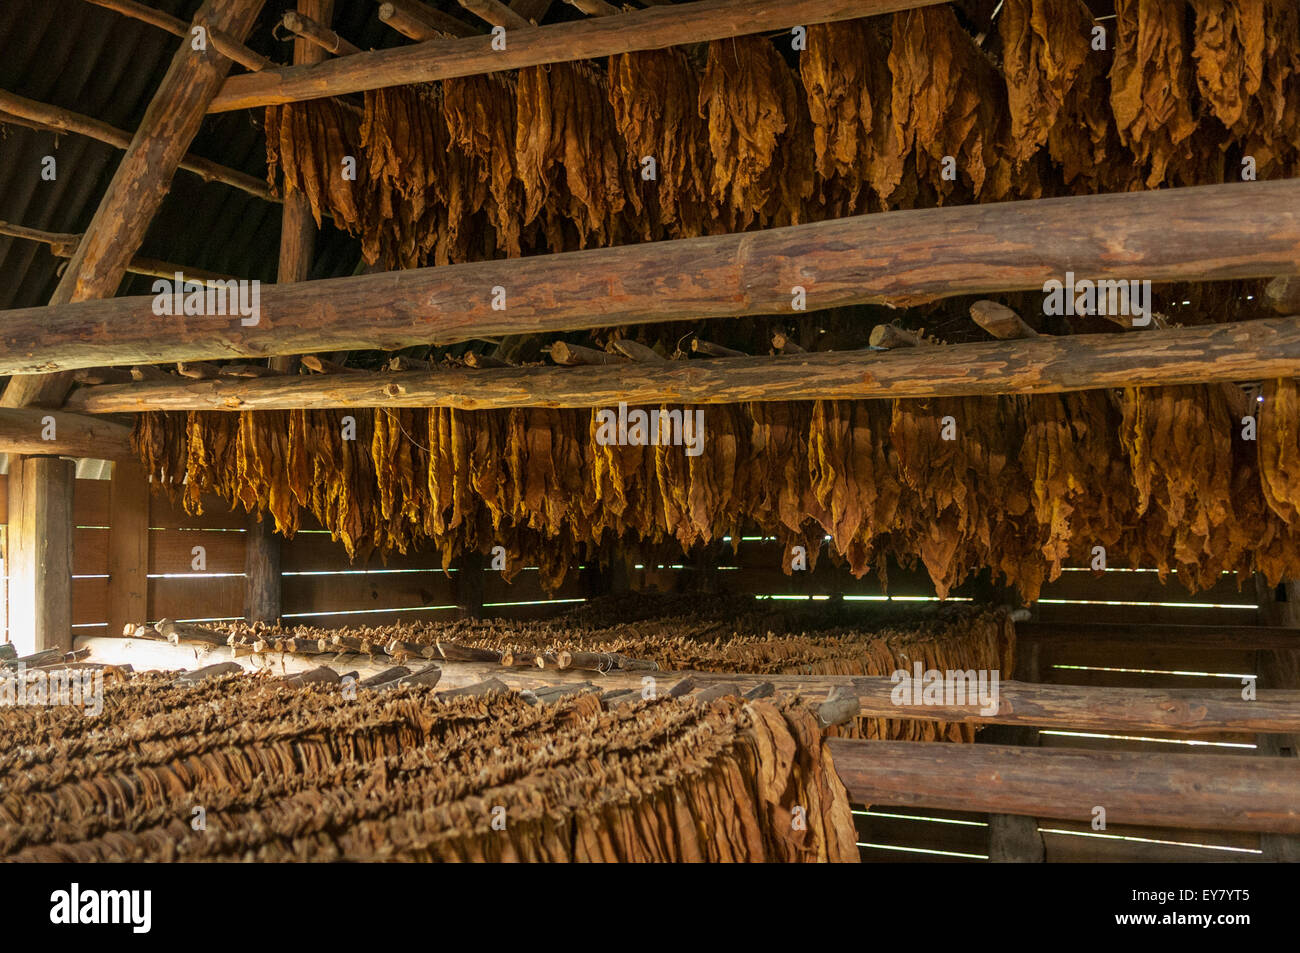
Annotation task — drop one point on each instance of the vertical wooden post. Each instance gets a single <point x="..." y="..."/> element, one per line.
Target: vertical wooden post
<point x="40" y="558"/>
<point x="128" y="546"/>
<point x="1279" y="669"/>
<point x="1014" y="839"/>
<point x="261" y="571"/>
<point x="469" y="586"/>
<point x="262" y="597"/>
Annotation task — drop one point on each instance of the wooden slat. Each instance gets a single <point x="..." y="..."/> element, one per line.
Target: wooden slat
<point x="90" y="499"/>
<point x="167" y="514"/>
<point x="1142" y="615"/>
<point x="196" y="598"/>
<point x="1066" y="848"/>
<point x="39" y="561"/>
<point x="1123" y="636"/>
<point x="171" y="551"/>
<point x="90" y="601"/>
<point x="1145" y="587"/>
<point x="872" y="828"/>
<point x="1234" y="661"/>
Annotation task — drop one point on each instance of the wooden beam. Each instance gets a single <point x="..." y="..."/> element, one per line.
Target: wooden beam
<point x="532" y="10"/>
<point x="895" y="258"/>
<point x="128" y="545"/>
<point x="52" y="432"/>
<point x="227" y="45"/>
<point x="297" y="226"/>
<point x="1209" y="792"/>
<point x="1000" y="321"/>
<point x="141" y="181"/>
<point x="1283" y="294"/>
<point x="317" y="36"/>
<point x="495" y="13"/>
<point x="594" y="8"/>
<point x="64" y="245"/>
<point x="41" y="116"/>
<point x="535" y="46"/>
<point x="1045" y="364"/>
<point x="39" y="560"/>
<point x="421" y="17"/>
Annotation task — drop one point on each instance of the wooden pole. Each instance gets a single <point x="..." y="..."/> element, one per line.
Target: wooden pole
<point x="261" y="572"/>
<point x="313" y="31"/>
<point x="36" y="115"/>
<point x="496" y="13"/>
<point x="128" y="545"/>
<point x="40" y="553"/>
<point x="64" y="245"/>
<point x="895" y="258"/>
<point x="535" y="46"/>
<point x="1045" y="364"/>
<point x="1000" y="321"/>
<point x="229" y="46"/>
<point x="532" y="10"/>
<point x="421" y="17"/>
<point x="55" y="433"/>
<point x="140" y="183"/>
<point x="1210" y="792"/>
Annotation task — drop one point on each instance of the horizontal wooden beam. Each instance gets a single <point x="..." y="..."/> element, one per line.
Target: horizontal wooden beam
<point x="1044" y="364"/>
<point x="1246" y="637"/>
<point x="1083" y="708"/>
<point x="41" y="116"/>
<point x="54" y="433"/>
<point x="1204" y="792"/>
<point x="535" y="46"/>
<point x="895" y="258"/>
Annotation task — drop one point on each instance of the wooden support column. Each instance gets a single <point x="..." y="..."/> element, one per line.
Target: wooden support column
<point x="261" y="571"/>
<point x="128" y="546"/>
<point x="262" y="580"/>
<point x="1014" y="838"/>
<point x="40" y="553"/>
<point x="1279" y="668"/>
<point x="469" y="585"/>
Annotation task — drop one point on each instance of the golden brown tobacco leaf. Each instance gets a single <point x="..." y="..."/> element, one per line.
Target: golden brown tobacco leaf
<point x="1044" y="45"/>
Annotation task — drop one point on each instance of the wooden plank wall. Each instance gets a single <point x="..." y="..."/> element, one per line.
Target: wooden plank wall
<point x="320" y="586"/>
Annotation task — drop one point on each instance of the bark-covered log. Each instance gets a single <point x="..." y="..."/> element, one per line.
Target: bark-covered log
<point x="915" y="256"/>
<point x="1044" y="364"/>
<point x="1148" y="789"/>
<point x="52" y="433"/>
<point x="652" y="29"/>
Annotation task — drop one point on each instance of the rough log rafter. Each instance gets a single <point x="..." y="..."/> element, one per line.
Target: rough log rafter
<point x="895" y="258"/>
<point x="1044" y="364"/>
<point x="593" y="38"/>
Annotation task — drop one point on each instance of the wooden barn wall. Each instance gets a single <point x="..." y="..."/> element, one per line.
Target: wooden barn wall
<point x="320" y="587"/>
